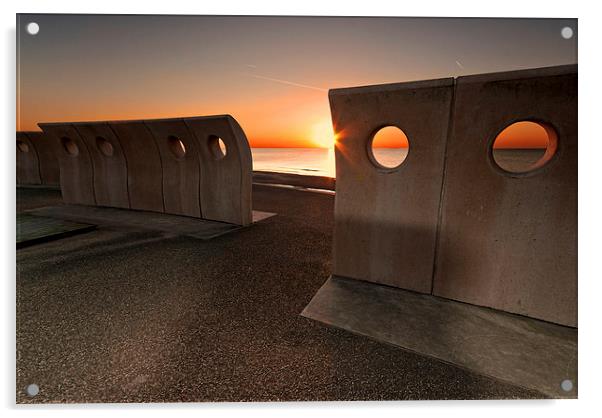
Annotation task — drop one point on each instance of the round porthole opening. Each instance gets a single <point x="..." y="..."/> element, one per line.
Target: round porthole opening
<point x="22" y="146"/>
<point x="104" y="146"/>
<point x="70" y="146"/>
<point x="388" y="148"/>
<point x="217" y="147"/>
<point x="176" y="146"/>
<point x="524" y="146"/>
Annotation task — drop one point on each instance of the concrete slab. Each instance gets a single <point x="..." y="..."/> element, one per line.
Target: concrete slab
<point x="139" y="220"/>
<point x="28" y="165"/>
<point x="48" y="161"/>
<point x="145" y="175"/>
<point x="181" y="166"/>
<point x="386" y="220"/>
<point x="299" y="180"/>
<point x="77" y="176"/>
<point x="33" y="229"/>
<point x="509" y="241"/>
<point x="519" y="350"/>
<point x="226" y="178"/>
<point x="109" y="164"/>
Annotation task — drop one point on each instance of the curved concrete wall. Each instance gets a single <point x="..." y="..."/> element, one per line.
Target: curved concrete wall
<point x="77" y="175"/>
<point x="46" y="150"/>
<point x="386" y="220"/>
<point x="161" y="165"/>
<point x="144" y="172"/>
<point x="226" y="180"/>
<point x="109" y="165"/>
<point x="28" y="163"/>
<point x="510" y="241"/>
<point x="181" y="173"/>
<point x="506" y="241"/>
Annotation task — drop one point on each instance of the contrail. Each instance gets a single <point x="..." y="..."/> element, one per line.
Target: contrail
<point x="459" y="64"/>
<point x="289" y="83"/>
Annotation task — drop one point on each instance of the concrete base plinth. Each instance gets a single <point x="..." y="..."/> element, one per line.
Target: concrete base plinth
<point x="161" y="222"/>
<point x="519" y="350"/>
<point x="37" y="229"/>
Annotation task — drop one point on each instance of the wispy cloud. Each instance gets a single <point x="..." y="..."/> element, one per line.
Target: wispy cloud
<point x="251" y="66"/>
<point x="459" y="64"/>
<point x="287" y="82"/>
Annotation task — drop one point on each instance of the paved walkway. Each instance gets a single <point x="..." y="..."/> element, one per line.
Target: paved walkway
<point x="137" y="316"/>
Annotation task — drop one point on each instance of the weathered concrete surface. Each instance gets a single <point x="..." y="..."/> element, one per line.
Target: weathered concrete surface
<point x="108" y="162"/>
<point x="28" y="165"/>
<point x="181" y="174"/>
<point x="386" y="220"/>
<point x="145" y="175"/>
<point x="77" y="175"/>
<point x="48" y="161"/>
<point x="510" y="241"/>
<point x="523" y="351"/>
<point x="225" y="181"/>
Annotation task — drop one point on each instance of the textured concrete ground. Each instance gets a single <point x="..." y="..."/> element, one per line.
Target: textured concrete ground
<point x="134" y="316"/>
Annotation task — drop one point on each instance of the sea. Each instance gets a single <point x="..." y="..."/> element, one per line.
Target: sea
<point x="312" y="161"/>
<point x="320" y="161"/>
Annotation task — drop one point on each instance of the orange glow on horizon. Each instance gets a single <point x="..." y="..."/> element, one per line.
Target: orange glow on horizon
<point x="390" y="137"/>
<point x="524" y="134"/>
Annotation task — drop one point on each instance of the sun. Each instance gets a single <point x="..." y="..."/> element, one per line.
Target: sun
<point x="322" y="134"/>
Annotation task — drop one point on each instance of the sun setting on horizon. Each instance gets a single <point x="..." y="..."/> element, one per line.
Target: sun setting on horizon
<point x="272" y="74"/>
<point x="322" y="134"/>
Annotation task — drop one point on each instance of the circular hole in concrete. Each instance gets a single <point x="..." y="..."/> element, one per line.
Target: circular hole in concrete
<point x="22" y="146"/>
<point x="70" y="146"/>
<point x="524" y="146"/>
<point x="217" y="147"/>
<point x="104" y="146"/>
<point x="388" y="147"/>
<point x="32" y="28"/>
<point x="32" y="390"/>
<point x="176" y="146"/>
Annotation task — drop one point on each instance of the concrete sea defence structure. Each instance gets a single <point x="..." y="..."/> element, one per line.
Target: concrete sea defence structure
<point x="509" y="240"/>
<point x="37" y="163"/>
<point x="449" y="221"/>
<point x="450" y="224"/>
<point x="199" y="166"/>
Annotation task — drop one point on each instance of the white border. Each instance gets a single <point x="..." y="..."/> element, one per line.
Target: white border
<point x="590" y="189"/>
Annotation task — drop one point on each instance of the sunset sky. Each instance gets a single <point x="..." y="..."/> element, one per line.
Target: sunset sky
<point x="271" y="73"/>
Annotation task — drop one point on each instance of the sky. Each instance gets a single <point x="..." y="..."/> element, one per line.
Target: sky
<point x="271" y="73"/>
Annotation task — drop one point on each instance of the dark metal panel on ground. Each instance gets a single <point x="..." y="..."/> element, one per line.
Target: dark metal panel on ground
<point x="145" y="175"/>
<point x="109" y="164"/>
<point x="510" y="241"/>
<point x="181" y="166"/>
<point x="28" y="165"/>
<point x="523" y="351"/>
<point x="386" y="220"/>
<point x="77" y="175"/>
<point x="226" y="176"/>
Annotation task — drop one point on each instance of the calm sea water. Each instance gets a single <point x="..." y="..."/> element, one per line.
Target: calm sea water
<point x="320" y="162"/>
<point x="311" y="161"/>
